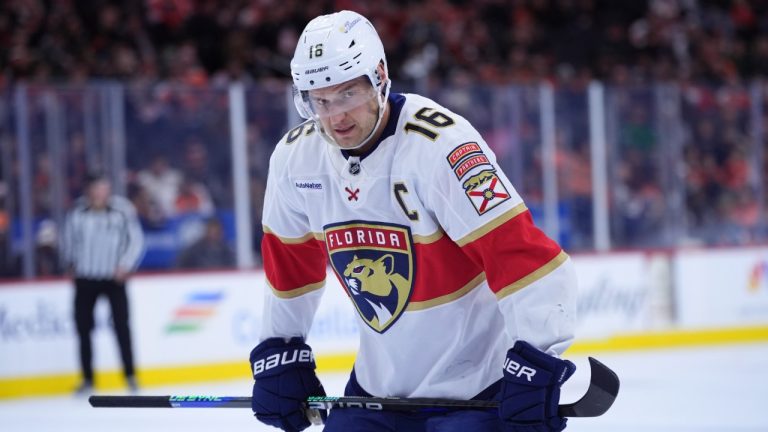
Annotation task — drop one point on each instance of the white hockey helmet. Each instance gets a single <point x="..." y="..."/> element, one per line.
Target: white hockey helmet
<point x="332" y="50"/>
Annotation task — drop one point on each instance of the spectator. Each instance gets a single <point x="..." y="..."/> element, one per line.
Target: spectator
<point x="150" y="215"/>
<point x="102" y="246"/>
<point x="201" y="168"/>
<point x="210" y="251"/>
<point x="46" y="251"/>
<point x="193" y="197"/>
<point x="9" y="262"/>
<point x="162" y="182"/>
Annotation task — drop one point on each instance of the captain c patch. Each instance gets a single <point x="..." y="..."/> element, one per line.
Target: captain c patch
<point x="485" y="190"/>
<point x="463" y="150"/>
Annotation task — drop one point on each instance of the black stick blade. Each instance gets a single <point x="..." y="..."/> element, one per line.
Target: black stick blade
<point x="602" y="391"/>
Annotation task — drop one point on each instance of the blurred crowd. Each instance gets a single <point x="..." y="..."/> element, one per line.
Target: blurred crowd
<point x="176" y="58"/>
<point x="495" y="41"/>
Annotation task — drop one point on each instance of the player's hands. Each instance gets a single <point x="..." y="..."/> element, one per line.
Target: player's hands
<point x="121" y="275"/>
<point x="285" y="377"/>
<point x="530" y="390"/>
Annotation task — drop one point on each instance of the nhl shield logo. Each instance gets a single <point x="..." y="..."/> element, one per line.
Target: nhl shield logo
<point x="374" y="263"/>
<point x="485" y="190"/>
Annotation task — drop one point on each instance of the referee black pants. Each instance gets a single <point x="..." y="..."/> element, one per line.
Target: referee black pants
<point x="87" y="291"/>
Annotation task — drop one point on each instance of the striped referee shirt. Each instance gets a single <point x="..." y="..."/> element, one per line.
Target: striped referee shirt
<point x="97" y="242"/>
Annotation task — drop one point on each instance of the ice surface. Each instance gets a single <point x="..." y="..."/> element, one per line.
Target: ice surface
<point x="718" y="389"/>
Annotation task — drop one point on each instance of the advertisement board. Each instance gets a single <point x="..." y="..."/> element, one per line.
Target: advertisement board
<point x="615" y="294"/>
<point x="724" y="287"/>
<point x="179" y="319"/>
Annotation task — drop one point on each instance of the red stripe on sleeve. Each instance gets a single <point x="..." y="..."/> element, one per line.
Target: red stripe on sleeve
<point x="512" y="251"/>
<point x="441" y="268"/>
<point x="289" y="266"/>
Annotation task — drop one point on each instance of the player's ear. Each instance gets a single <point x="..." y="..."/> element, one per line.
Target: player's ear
<point x="381" y="72"/>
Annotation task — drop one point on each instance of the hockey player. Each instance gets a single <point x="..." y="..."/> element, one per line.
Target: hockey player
<point x="458" y="294"/>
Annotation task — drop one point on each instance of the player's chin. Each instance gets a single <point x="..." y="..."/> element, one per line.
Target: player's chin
<point x="346" y="142"/>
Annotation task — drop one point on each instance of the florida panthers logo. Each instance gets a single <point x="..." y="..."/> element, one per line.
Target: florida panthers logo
<point x="374" y="264"/>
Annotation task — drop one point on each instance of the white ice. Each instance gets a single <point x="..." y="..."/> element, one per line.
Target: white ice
<point x="720" y="389"/>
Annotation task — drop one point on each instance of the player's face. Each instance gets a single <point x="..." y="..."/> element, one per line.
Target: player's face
<point x="348" y="111"/>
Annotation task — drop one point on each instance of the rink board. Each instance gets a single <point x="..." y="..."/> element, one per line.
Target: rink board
<point x="723" y="288"/>
<point x="184" y="326"/>
<point x="201" y="326"/>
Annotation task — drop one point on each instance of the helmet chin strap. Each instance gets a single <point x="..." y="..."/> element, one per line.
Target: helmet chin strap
<point x="382" y="100"/>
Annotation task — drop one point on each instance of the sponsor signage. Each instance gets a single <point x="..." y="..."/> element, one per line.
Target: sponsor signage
<point x="724" y="287"/>
<point x="614" y="294"/>
<point x="175" y="320"/>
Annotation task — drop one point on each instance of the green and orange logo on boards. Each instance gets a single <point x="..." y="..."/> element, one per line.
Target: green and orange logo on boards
<point x="198" y="307"/>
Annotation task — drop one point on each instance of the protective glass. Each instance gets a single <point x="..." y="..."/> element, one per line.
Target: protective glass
<point x="325" y="103"/>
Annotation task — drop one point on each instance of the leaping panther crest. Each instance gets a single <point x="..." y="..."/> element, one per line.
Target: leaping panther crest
<point x="383" y="291"/>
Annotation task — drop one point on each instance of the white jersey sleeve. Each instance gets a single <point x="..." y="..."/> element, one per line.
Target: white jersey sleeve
<point x="294" y="256"/>
<point x="480" y="210"/>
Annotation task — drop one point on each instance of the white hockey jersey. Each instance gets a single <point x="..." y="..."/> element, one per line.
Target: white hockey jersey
<point x="436" y="250"/>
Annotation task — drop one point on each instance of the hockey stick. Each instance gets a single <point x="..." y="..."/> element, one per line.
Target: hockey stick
<point x="602" y="391"/>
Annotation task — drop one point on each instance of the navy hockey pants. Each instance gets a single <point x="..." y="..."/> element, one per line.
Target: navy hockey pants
<point x="362" y="420"/>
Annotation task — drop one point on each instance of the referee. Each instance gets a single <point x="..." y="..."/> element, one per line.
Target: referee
<point x="102" y="245"/>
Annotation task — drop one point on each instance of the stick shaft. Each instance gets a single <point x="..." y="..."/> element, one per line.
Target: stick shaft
<point x="602" y="391"/>
<point x="315" y="402"/>
<point x="170" y="401"/>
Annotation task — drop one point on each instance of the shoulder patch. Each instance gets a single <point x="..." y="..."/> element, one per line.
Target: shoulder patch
<point x="467" y="164"/>
<point x="463" y="150"/>
<point x="485" y="190"/>
<point x="465" y="157"/>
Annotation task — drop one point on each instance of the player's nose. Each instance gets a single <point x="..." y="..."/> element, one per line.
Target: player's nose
<point x="338" y="119"/>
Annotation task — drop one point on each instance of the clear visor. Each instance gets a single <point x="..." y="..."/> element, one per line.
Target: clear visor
<point x="337" y="100"/>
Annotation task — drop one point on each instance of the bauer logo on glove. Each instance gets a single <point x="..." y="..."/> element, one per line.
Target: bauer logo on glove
<point x="515" y="369"/>
<point x="284" y="358"/>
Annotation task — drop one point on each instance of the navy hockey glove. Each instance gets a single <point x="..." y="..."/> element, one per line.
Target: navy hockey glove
<point x="530" y="390"/>
<point x="285" y="377"/>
